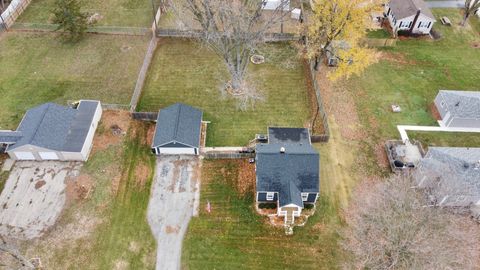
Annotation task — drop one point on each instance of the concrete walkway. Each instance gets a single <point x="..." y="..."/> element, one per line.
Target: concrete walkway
<point x="445" y="4"/>
<point x="174" y="200"/>
<point x="403" y="130"/>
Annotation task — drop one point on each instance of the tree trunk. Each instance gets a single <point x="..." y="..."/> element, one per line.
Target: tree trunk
<point x="465" y="18"/>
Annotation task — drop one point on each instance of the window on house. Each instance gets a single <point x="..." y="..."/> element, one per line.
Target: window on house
<point x="389" y="10"/>
<point x="442" y="104"/>
<point x="429" y="23"/>
<point x="410" y="24"/>
<point x="270" y="196"/>
<point x="419" y="24"/>
<point x="304" y="197"/>
<point x="400" y="25"/>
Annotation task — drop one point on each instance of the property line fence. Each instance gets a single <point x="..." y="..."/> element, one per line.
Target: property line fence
<point x="100" y="29"/>
<point x="216" y="155"/>
<point x="271" y="37"/>
<point x="137" y="92"/>
<point x="13" y="11"/>
<point x="379" y="42"/>
<point x="145" y="116"/>
<point x="320" y="106"/>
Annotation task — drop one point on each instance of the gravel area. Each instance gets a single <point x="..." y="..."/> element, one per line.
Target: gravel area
<point x="174" y="200"/>
<point x="33" y="197"/>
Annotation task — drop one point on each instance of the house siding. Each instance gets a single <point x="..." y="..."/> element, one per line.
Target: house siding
<point x="88" y="144"/>
<point x="398" y="24"/>
<point x="442" y="110"/>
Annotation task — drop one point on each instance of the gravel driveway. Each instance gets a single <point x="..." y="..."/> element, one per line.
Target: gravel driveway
<point x="174" y="200"/>
<point x="33" y="197"/>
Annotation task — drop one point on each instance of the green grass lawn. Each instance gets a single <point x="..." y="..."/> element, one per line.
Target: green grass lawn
<point x="233" y="236"/>
<point x="123" y="239"/>
<point x="183" y="71"/>
<point x="378" y="33"/>
<point x="125" y="13"/>
<point x="451" y="139"/>
<point x="475" y="23"/>
<point x="37" y="68"/>
<point x="411" y="74"/>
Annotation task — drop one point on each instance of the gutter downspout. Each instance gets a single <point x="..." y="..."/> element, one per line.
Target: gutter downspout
<point x="415" y="21"/>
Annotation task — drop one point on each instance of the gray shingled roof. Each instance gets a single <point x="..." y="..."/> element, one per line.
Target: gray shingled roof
<point x="288" y="135"/>
<point x="289" y="173"/>
<point x="461" y="165"/>
<point x="406" y="8"/>
<point x="464" y="104"/>
<point x="56" y="127"/>
<point x="178" y="123"/>
<point x="9" y="137"/>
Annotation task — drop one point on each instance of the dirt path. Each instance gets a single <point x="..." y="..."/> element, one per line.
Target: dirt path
<point x="173" y="201"/>
<point x="34" y="197"/>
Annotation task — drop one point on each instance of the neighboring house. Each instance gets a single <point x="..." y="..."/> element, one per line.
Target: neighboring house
<point x="178" y="131"/>
<point x="409" y="15"/>
<point x="287" y="169"/>
<point x="451" y="175"/>
<point x="459" y="108"/>
<point x="54" y="132"/>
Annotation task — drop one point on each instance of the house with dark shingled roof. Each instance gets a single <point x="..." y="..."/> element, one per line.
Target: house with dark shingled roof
<point x="54" y="132"/>
<point x="287" y="171"/>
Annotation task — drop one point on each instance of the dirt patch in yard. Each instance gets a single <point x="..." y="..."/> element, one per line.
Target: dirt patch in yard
<point x="111" y="129"/>
<point x="434" y="111"/>
<point x="381" y="156"/>
<point x="398" y="58"/>
<point x="80" y="188"/>
<point x="171" y="229"/>
<point x="150" y="133"/>
<point x="40" y="184"/>
<point x="476" y="45"/>
<point x="142" y="172"/>
<point x="246" y="178"/>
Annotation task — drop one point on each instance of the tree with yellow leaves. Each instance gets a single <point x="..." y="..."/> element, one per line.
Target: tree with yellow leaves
<point x="337" y="22"/>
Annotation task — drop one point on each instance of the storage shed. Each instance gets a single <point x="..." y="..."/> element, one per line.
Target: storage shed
<point x="178" y="131"/>
<point x="54" y="132"/>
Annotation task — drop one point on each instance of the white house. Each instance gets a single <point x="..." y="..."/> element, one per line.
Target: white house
<point x="459" y="108"/>
<point x="275" y="4"/>
<point x="54" y="132"/>
<point x="409" y="15"/>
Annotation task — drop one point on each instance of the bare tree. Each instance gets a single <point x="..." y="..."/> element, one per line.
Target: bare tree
<point x="390" y="227"/>
<point x="471" y="7"/>
<point x="13" y="252"/>
<point x="233" y="30"/>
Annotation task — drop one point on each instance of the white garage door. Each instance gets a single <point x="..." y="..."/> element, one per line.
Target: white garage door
<point x="177" y="151"/>
<point x="24" y="156"/>
<point x="48" y="155"/>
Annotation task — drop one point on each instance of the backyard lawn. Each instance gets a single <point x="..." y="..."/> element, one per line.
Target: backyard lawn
<point x="411" y="74"/>
<point x="233" y="236"/>
<point x="38" y="68"/>
<point x="183" y="71"/>
<point x="125" y="13"/>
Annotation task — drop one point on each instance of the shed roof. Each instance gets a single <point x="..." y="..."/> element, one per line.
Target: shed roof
<point x="289" y="173"/>
<point x="178" y="123"/>
<point x="464" y="104"/>
<point x="406" y="8"/>
<point x="56" y="127"/>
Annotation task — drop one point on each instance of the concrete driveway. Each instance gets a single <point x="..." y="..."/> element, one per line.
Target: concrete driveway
<point x="33" y="197"/>
<point x="174" y="200"/>
<point x="445" y="4"/>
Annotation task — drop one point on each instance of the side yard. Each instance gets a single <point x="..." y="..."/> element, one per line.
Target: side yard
<point x="38" y="68"/>
<point x="410" y="75"/>
<point x="184" y="71"/>
<point x="104" y="224"/>
<point x="125" y="13"/>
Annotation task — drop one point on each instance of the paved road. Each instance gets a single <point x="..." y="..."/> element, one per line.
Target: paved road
<point x="445" y="4"/>
<point x="174" y="200"/>
<point x="33" y="197"/>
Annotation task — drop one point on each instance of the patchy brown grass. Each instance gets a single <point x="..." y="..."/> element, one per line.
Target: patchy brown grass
<point x="246" y="178"/>
<point x="104" y="136"/>
<point x="142" y="172"/>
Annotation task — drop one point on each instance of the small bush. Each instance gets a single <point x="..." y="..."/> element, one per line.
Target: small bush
<point x="267" y="205"/>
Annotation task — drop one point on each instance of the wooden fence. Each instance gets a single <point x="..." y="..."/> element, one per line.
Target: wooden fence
<point x="321" y="107"/>
<point x="216" y="155"/>
<point x="13" y="11"/>
<point x="145" y="116"/>
<point x="142" y="75"/>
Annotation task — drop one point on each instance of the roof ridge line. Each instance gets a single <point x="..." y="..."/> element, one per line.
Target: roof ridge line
<point x="40" y="122"/>
<point x="175" y="131"/>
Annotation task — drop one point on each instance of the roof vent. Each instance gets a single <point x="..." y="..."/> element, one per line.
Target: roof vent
<point x="477" y="165"/>
<point x="282" y="150"/>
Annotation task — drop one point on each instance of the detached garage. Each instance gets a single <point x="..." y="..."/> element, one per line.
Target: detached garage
<point x="54" y="132"/>
<point x="178" y="131"/>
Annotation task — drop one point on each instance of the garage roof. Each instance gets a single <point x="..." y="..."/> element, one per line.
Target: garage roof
<point x="56" y="127"/>
<point x="406" y="8"/>
<point x="178" y="124"/>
